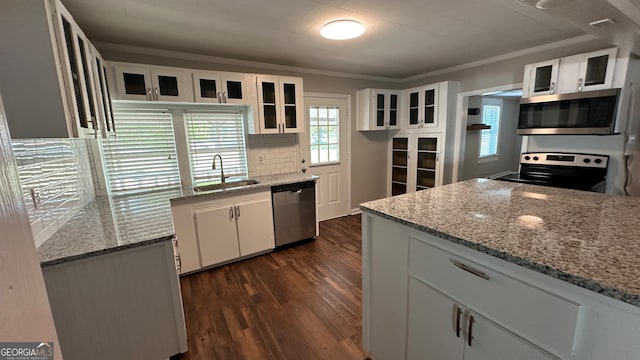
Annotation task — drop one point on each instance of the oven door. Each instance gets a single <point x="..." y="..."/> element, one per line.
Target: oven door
<point x="583" y="113"/>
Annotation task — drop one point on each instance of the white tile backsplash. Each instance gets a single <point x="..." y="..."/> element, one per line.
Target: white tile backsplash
<point x="272" y="154"/>
<point x="58" y="172"/>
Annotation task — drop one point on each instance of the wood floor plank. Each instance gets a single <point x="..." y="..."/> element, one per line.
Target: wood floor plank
<point x="303" y="302"/>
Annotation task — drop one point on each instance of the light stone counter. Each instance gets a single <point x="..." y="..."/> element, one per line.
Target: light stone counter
<point x="588" y="239"/>
<point x="109" y="224"/>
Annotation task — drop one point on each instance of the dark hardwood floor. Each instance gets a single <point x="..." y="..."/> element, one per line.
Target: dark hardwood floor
<point x="304" y="302"/>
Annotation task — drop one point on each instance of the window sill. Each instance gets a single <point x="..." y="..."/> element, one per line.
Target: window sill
<point x="486" y="159"/>
<point x="325" y="163"/>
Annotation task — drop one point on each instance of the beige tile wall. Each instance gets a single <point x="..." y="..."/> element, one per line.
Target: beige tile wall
<point x="272" y="154"/>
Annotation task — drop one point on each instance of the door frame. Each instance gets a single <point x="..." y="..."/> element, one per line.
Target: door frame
<point x="460" y="135"/>
<point x="347" y="147"/>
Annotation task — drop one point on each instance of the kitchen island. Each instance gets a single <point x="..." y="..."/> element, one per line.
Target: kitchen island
<point x="486" y="269"/>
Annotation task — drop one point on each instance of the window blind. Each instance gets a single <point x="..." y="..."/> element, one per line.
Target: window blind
<point x="489" y="138"/>
<point x="143" y="156"/>
<point x="210" y="133"/>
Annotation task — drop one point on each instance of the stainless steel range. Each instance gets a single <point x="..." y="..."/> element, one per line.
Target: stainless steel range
<point x="564" y="170"/>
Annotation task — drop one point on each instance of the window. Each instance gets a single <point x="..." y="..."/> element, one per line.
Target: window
<point x="143" y="156"/>
<point x="490" y="116"/>
<point x="324" y="135"/>
<point x="210" y="133"/>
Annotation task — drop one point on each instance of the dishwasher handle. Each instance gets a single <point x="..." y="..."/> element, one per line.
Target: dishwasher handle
<point x="293" y="188"/>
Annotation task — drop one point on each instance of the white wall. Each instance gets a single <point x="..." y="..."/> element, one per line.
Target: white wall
<point x="509" y="143"/>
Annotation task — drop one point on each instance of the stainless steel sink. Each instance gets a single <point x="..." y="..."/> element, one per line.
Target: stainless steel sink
<point x="225" y="185"/>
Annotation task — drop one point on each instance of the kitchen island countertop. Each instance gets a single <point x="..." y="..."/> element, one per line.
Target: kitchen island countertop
<point x="109" y="224"/>
<point x="587" y="239"/>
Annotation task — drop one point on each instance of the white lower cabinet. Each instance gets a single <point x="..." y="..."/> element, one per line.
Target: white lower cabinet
<point x="424" y="297"/>
<point x="440" y="328"/>
<point x="221" y="228"/>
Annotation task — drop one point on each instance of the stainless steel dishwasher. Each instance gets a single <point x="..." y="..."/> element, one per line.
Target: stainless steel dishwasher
<point x="294" y="212"/>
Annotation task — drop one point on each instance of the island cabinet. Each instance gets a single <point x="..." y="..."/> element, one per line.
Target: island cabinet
<point x="216" y="229"/>
<point x="426" y="297"/>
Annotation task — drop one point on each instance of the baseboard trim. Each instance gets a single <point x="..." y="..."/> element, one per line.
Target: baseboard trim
<point x="355" y="211"/>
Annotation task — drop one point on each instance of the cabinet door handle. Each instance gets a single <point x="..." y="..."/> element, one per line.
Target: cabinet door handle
<point x="156" y="92"/>
<point x="458" y="312"/>
<point x="470" y="270"/>
<point x="231" y="213"/>
<point x="237" y="211"/>
<point x="149" y="94"/>
<point x="553" y="87"/>
<point x="178" y="262"/>
<point x="470" y="329"/>
<point x="219" y="96"/>
<point x="224" y="97"/>
<point x="579" y="84"/>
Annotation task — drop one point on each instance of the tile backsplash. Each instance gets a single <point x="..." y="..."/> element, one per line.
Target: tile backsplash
<point x="56" y="180"/>
<point x="272" y="154"/>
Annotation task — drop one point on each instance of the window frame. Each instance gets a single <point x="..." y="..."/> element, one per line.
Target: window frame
<point x="337" y="126"/>
<point x="494" y="130"/>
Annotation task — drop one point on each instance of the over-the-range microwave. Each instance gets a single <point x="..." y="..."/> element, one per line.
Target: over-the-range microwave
<point x="581" y="113"/>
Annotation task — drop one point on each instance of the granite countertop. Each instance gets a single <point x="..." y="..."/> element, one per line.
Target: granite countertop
<point x="109" y="224"/>
<point x="588" y="239"/>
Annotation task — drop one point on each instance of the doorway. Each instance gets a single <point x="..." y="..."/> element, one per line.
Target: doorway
<point x="326" y="151"/>
<point x="487" y="143"/>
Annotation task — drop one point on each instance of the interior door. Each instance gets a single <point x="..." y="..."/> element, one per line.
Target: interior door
<point x="325" y="142"/>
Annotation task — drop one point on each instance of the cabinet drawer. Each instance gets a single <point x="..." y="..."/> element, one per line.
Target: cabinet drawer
<point x="543" y="318"/>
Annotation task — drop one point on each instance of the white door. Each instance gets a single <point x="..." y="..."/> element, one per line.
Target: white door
<point x="326" y="143"/>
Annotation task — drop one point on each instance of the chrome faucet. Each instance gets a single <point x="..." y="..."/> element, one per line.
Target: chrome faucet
<point x="213" y="166"/>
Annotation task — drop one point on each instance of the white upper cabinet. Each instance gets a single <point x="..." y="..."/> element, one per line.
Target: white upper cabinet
<point x="584" y="72"/>
<point x="378" y="109"/>
<point x="151" y="83"/>
<point x="420" y="108"/>
<point x="223" y="87"/>
<point x="280" y="104"/>
<point x="47" y="77"/>
<point x="541" y="78"/>
<point x="103" y="94"/>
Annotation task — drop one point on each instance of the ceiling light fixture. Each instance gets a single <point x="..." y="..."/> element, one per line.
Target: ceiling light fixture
<point x="343" y="29"/>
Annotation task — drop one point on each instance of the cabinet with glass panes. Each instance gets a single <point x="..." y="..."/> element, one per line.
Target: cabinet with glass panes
<point x="421" y="107"/>
<point x="280" y="104"/>
<point x="415" y="163"/>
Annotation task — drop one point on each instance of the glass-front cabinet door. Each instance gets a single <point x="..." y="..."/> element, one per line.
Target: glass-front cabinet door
<point x="393" y="110"/>
<point x="422" y="107"/>
<point x="292" y="104"/>
<point x="380" y="103"/>
<point x="169" y="85"/>
<point x="220" y="87"/>
<point x="399" y="165"/>
<point x="426" y="162"/>
<point x="542" y="78"/>
<point x="133" y="83"/>
<point x="268" y="99"/>
<point x="596" y="70"/>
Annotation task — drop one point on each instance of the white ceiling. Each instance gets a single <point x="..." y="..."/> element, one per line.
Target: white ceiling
<point x="403" y="38"/>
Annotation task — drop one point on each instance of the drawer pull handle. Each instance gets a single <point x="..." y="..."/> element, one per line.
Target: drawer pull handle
<point x="471" y="270"/>
<point x="470" y="329"/>
<point x="458" y="314"/>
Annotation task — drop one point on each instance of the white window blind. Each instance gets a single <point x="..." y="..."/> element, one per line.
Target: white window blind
<point x="212" y="133"/>
<point x="489" y="137"/>
<point x="143" y="155"/>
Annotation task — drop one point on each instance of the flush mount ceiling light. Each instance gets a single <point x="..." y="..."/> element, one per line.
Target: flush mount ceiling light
<point x="342" y="29"/>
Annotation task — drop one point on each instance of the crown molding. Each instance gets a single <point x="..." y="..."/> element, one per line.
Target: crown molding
<point x="268" y="66"/>
<point x="228" y="61"/>
<point x="512" y="55"/>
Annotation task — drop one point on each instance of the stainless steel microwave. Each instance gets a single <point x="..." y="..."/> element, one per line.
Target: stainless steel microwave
<point x="581" y="113"/>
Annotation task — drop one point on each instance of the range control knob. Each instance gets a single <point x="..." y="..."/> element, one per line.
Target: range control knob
<point x="598" y="161"/>
<point x="536" y="158"/>
<point x="587" y="160"/>
<point x="527" y="157"/>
